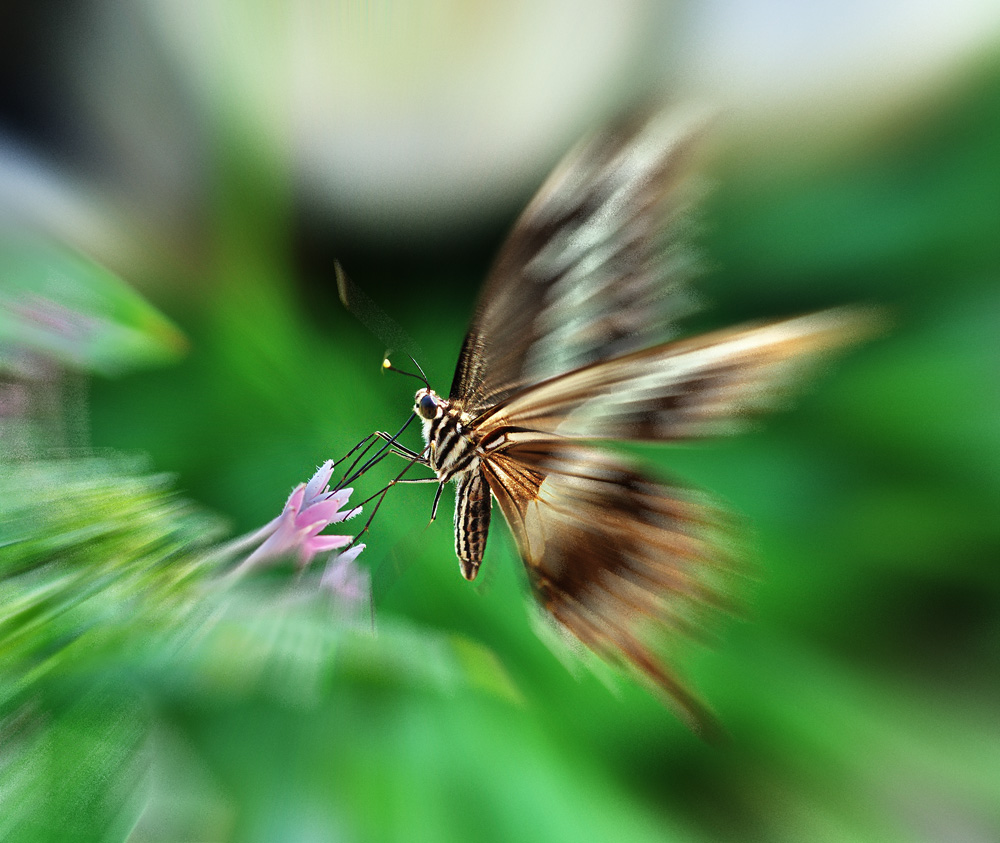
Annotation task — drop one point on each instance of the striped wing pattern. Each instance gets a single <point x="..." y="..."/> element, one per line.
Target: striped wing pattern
<point x="676" y="391"/>
<point x="596" y="266"/>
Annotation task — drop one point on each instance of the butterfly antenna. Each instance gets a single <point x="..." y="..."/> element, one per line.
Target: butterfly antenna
<point x="387" y="364"/>
<point x="369" y="314"/>
<point x="427" y="383"/>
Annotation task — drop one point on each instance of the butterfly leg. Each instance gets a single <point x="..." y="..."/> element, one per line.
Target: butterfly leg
<point x="379" y="496"/>
<point x="437" y="500"/>
<point x="401" y="450"/>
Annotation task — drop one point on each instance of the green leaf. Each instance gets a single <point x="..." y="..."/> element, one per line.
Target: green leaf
<point x="65" y="307"/>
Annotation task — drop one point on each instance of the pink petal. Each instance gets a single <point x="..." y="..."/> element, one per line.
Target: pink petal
<point x="343" y="578"/>
<point x="340" y="496"/>
<point x="320" y="543"/>
<point x="350" y="555"/>
<point x="319" y="481"/>
<point x="344" y="516"/>
<point x="319" y="513"/>
<point x="294" y="502"/>
<point x="282" y="542"/>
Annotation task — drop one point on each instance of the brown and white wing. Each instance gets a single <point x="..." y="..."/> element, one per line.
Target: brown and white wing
<point x="679" y="390"/>
<point x="619" y="560"/>
<point x="595" y="267"/>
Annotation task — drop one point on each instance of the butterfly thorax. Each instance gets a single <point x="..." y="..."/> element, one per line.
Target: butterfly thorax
<point x="451" y="442"/>
<point x="453" y="454"/>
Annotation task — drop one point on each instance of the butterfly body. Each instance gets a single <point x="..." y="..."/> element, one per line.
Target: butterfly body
<point x="453" y="453"/>
<point x="570" y="345"/>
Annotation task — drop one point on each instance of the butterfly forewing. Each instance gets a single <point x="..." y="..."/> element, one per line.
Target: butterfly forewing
<point x="596" y="266"/>
<point x="681" y="390"/>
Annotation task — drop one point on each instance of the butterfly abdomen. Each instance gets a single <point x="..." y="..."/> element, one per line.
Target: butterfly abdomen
<point x="453" y="455"/>
<point x="472" y="521"/>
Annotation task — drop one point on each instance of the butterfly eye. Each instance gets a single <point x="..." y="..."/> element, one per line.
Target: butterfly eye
<point x="427" y="406"/>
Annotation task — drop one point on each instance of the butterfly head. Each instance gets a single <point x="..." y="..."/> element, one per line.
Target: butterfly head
<point x="427" y="404"/>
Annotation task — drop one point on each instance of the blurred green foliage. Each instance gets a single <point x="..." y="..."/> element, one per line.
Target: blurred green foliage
<point x="860" y="691"/>
<point x="67" y="308"/>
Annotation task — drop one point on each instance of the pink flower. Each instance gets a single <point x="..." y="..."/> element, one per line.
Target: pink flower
<point x="349" y="584"/>
<point x="296" y="532"/>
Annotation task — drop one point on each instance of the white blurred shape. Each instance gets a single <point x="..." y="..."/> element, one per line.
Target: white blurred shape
<point x="423" y="117"/>
<point x="410" y="114"/>
<point x="827" y="54"/>
<point x="35" y="196"/>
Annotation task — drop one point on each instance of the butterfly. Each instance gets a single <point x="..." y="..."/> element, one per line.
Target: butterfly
<point x="569" y="346"/>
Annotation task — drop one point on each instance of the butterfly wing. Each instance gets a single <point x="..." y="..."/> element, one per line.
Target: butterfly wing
<point x="680" y="390"/>
<point x="562" y="346"/>
<point x="613" y="556"/>
<point x="596" y="266"/>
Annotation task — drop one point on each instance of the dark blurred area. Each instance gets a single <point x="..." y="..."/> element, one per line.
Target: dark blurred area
<point x="177" y="182"/>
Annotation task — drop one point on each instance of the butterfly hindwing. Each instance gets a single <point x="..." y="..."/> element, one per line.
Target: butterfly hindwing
<point x="611" y="555"/>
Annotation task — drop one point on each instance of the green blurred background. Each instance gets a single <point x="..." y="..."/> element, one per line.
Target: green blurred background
<point x="220" y="161"/>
